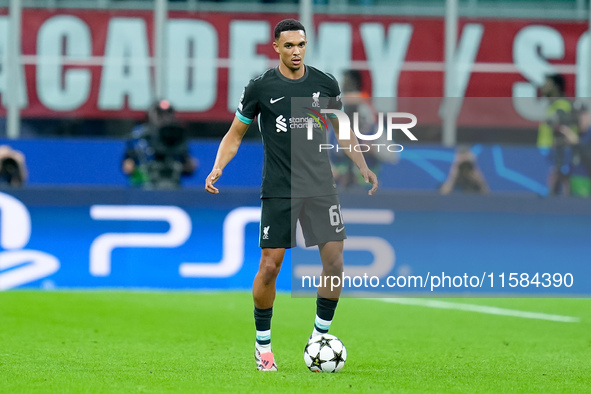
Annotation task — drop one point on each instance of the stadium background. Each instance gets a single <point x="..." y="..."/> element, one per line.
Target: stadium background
<point x="113" y="288"/>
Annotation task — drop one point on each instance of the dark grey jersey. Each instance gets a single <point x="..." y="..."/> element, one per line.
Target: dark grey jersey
<point x="294" y="166"/>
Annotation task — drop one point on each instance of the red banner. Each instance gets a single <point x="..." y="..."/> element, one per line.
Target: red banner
<point x="98" y="64"/>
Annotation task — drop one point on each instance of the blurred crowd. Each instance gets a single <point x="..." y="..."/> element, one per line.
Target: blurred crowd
<point x="157" y="154"/>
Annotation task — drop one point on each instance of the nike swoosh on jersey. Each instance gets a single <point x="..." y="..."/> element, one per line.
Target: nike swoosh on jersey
<point x="273" y="101"/>
<point x="338" y="230"/>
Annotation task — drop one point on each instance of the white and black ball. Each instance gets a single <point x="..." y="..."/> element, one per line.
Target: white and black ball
<point x="325" y="353"/>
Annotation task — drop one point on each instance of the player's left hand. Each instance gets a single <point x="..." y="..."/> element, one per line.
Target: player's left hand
<point x="213" y="176"/>
<point x="370" y="177"/>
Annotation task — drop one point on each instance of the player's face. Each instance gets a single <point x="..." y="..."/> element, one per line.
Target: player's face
<point x="291" y="47"/>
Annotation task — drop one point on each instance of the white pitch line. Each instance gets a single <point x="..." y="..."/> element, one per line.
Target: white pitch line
<point x="490" y="310"/>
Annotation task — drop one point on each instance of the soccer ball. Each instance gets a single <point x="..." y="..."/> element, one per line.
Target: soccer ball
<point x="325" y="353"/>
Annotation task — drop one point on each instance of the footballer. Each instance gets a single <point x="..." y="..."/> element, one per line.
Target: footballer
<point x="297" y="182"/>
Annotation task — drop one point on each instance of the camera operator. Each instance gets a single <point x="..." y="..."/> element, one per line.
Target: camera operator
<point x="13" y="169"/>
<point x="580" y="166"/>
<point x="157" y="154"/>
<point x="551" y="140"/>
<point x="464" y="174"/>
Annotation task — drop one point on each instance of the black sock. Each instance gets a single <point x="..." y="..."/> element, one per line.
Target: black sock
<point x="325" y="309"/>
<point x="262" y="322"/>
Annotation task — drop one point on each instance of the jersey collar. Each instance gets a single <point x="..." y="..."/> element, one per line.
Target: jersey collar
<point x="284" y="78"/>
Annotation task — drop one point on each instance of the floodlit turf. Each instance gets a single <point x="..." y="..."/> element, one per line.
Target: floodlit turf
<point x="198" y="342"/>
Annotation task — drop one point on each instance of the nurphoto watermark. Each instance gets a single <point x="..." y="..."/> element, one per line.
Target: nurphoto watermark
<point x="344" y="132"/>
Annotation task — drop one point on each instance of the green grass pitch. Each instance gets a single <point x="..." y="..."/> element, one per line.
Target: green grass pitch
<point x="127" y="342"/>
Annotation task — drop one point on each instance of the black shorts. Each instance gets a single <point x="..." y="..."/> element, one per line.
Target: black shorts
<point x="320" y="218"/>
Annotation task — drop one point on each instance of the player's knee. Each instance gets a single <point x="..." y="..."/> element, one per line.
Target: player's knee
<point x="269" y="269"/>
<point x="333" y="266"/>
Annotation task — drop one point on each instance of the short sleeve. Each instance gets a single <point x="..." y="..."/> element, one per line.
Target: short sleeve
<point x="335" y="99"/>
<point x="248" y="108"/>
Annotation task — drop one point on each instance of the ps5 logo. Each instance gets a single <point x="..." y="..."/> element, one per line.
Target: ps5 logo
<point x="180" y="228"/>
<point x="19" y="266"/>
<point x="384" y="256"/>
<point x="233" y="236"/>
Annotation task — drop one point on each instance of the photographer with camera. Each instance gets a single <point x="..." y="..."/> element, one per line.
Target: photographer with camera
<point x="464" y="174"/>
<point x="580" y="143"/>
<point x="157" y="154"/>
<point x="552" y="142"/>
<point x="13" y="169"/>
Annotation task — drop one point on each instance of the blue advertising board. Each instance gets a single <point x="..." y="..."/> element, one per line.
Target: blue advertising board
<point x="420" y="167"/>
<point x="123" y="238"/>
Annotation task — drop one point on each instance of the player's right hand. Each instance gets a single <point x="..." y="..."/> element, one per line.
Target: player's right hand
<point x="212" y="178"/>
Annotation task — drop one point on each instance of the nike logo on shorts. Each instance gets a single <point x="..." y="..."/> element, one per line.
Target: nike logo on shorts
<point x="338" y="230"/>
<point x="273" y="101"/>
